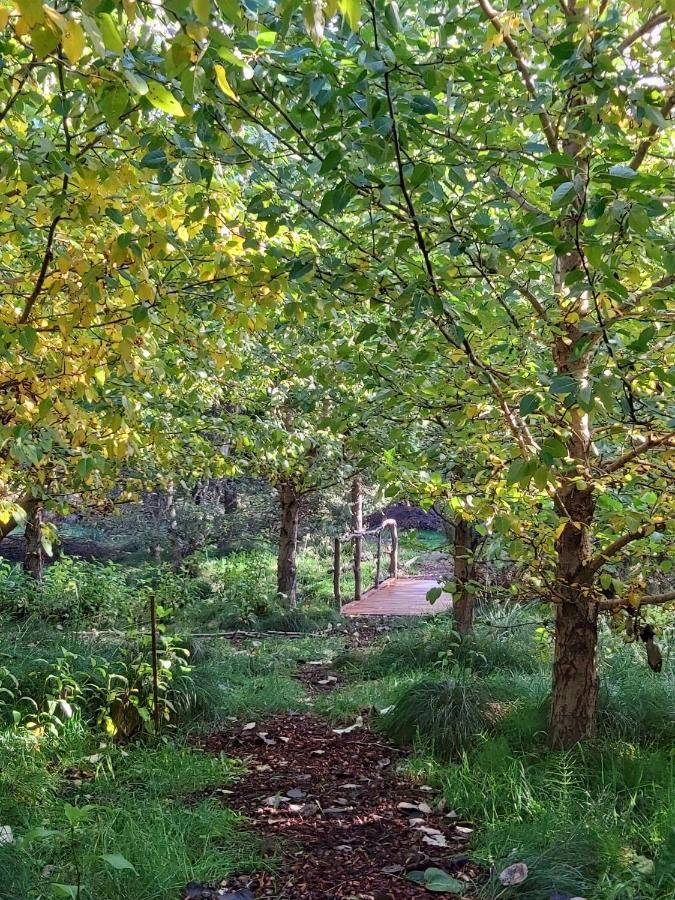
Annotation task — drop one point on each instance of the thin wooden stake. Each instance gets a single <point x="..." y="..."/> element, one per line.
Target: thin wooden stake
<point x="336" y="571"/>
<point x="155" y="663"/>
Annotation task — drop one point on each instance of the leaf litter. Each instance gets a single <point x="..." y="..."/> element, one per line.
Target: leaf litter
<point x="330" y="804"/>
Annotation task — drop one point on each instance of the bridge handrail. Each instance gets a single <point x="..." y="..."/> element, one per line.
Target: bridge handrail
<point x="355" y="537"/>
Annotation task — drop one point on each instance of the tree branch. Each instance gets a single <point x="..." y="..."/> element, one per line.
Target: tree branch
<point x="51" y="233"/>
<point x="544" y="118"/>
<point x="643" y="149"/>
<point x="649" y="25"/>
<point x="597" y="562"/>
<point x="645" y="600"/>
<point x="649" y="443"/>
<point x="522" y="201"/>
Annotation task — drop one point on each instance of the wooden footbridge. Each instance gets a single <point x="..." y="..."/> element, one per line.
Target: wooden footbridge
<point x="391" y="594"/>
<point x="399" y="597"/>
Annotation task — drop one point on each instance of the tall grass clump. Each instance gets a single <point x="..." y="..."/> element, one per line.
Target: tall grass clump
<point x="442" y="716"/>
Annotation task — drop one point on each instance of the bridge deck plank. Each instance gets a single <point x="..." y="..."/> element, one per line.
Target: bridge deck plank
<point x="399" y="597"/>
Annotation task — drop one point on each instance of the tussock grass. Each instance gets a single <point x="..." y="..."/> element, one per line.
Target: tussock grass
<point x="442" y="717"/>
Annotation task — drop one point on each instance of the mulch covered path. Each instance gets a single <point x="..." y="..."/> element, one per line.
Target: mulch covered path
<point x="347" y="825"/>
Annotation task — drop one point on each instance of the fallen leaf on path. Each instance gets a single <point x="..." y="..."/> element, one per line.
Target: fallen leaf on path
<point x="350" y="728"/>
<point x="437" y="880"/>
<point x="436" y="840"/>
<point x="512" y="875"/>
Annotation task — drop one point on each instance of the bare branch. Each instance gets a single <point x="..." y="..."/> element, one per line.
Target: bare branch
<point x="649" y="25"/>
<point x="647" y="444"/>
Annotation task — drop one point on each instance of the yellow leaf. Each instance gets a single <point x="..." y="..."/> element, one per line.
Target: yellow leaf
<point x="223" y="83"/>
<point x="4" y="17"/>
<point x="31" y="11"/>
<point x="56" y="17"/>
<point x="130" y="9"/>
<point x="197" y="32"/>
<point x="73" y="41"/>
<point x="202" y="9"/>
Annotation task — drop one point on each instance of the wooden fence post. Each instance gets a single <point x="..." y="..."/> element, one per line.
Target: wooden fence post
<point x="357" y="526"/>
<point x="393" y="560"/>
<point x="336" y="571"/>
<point x="378" y="570"/>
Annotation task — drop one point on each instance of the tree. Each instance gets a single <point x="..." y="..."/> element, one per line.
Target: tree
<point x="288" y="419"/>
<point x="120" y="268"/>
<point x="505" y="175"/>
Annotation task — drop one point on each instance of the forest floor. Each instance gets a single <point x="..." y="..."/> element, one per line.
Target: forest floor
<point x="333" y="800"/>
<point x="309" y="756"/>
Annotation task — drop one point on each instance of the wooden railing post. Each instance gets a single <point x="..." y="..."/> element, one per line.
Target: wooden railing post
<point x="336" y="571"/>
<point x="357" y="527"/>
<point x="378" y="570"/>
<point x="393" y="559"/>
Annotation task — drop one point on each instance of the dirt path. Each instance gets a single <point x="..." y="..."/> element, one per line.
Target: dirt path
<point x="331" y="801"/>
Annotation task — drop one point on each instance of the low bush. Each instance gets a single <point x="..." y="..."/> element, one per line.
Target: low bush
<point x="86" y="594"/>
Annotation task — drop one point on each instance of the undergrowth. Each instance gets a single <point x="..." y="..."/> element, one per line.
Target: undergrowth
<point x="139" y="806"/>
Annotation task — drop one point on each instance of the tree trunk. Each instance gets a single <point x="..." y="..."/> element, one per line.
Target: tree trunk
<point x="575" y="676"/>
<point x="33" y="563"/>
<point x="357" y="525"/>
<point x="288" y="543"/>
<point x="229" y="496"/>
<point x="464" y="543"/>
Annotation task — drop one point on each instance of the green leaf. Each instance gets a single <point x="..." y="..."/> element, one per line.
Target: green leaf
<point x="392" y="16"/>
<point x="640" y="344"/>
<point x="28" y="337"/>
<point x="351" y="10"/>
<point x="434" y="594"/>
<point x="138" y="84"/>
<point x="562" y="194"/>
<point x="330" y="161"/>
<point x="65" y="890"/>
<point x="655" y="116"/>
<point x="112" y="39"/>
<point x="516" y="471"/>
<point x="231" y="9"/>
<point x="528" y="404"/>
<point x="119" y="862"/>
<point x="622" y="172"/>
<point x="154" y="159"/>
<point x="115" y="215"/>
<point x="266" y="38"/>
<point x="563" y="384"/>
<point x="44" y="40"/>
<point x="423" y="105"/>
<point x="93" y="32"/>
<point x="438" y="881"/>
<point x="202" y="9"/>
<point x="162" y="98"/>
<point x="555" y="448"/>
<point x="368" y="330"/>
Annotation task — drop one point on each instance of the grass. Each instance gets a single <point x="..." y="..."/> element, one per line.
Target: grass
<point x="596" y="822"/>
<point x="143" y="803"/>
